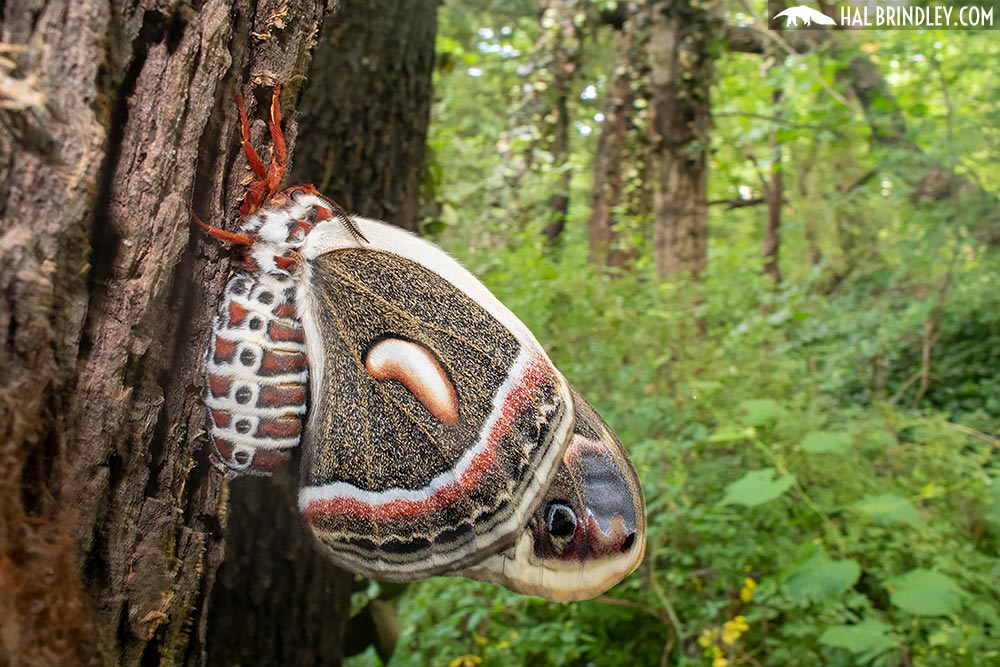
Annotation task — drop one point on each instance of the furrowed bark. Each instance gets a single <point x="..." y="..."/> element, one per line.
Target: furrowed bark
<point x="111" y="524"/>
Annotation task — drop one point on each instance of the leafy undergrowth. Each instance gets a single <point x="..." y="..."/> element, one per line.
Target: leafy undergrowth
<point x="800" y="513"/>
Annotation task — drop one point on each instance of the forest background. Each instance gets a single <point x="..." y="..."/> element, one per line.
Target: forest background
<point x="812" y="397"/>
<point x="768" y="257"/>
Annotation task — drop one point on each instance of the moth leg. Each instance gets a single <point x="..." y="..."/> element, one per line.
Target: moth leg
<point x="279" y="155"/>
<point x="255" y="162"/>
<point x="220" y="234"/>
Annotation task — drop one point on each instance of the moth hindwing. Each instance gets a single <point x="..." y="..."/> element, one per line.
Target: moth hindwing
<point x="590" y="530"/>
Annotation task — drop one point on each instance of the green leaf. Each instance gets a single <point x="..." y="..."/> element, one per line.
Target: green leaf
<point x="757" y="487"/>
<point x="992" y="514"/>
<point x="925" y="592"/>
<point x="888" y="508"/>
<point x="730" y="434"/>
<point x="827" y="442"/>
<point x="761" y="411"/>
<point x="820" y="578"/>
<point x="869" y="636"/>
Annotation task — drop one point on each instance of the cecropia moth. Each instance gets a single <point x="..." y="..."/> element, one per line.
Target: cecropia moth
<point x="438" y="437"/>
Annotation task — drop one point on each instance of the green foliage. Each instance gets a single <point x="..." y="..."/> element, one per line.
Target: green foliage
<point x="837" y="532"/>
<point x="757" y="487"/>
<point x="816" y="496"/>
<point x="925" y="592"/>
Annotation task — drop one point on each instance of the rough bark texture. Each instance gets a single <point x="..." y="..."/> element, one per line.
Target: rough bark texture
<point x="111" y="522"/>
<point x="681" y="75"/>
<point x="367" y="106"/>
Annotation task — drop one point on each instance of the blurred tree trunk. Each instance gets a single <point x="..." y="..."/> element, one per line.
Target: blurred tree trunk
<point x="540" y="122"/>
<point x="681" y="74"/>
<point x="617" y="165"/>
<point x="774" y="188"/>
<point x="559" y="47"/>
<point x="112" y="524"/>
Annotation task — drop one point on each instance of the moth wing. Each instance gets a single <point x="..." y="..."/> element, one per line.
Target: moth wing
<point x="436" y="421"/>
<point x="589" y="532"/>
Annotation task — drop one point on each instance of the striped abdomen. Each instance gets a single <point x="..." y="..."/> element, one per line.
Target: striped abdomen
<point x="256" y="374"/>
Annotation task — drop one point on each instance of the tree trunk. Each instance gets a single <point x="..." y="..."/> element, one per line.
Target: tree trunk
<point x="112" y="523"/>
<point x="560" y="42"/>
<point x="774" y="188"/>
<point x="367" y="106"/>
<point x="681" y="76"/>
<point x="612" y="154"/>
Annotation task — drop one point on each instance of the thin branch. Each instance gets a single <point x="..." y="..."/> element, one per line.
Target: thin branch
<point x="737" y="203"/>
<point x="903" y="387"/>
<point x="845" y="188"/>
<point x="967" y="430"/>
<point x="621" y="602"/>
<point x="787" y="48"/>
<point x="772" y="118"/>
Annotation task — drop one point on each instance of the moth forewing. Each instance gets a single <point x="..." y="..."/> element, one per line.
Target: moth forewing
<point x="436" y="422"/>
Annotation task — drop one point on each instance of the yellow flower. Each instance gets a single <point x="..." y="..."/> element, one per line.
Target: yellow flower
<point x="705" y="640"/>
<point x="465" y="661"/>
<point x="731" y="630"/>
<point x="746" y="593"/>
<point x="720" y="662"/>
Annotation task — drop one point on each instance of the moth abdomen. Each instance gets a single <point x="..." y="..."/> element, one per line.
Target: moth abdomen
<point x="257" y="375"/>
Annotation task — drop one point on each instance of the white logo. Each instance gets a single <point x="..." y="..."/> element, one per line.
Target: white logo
<point x="805" y="14"/>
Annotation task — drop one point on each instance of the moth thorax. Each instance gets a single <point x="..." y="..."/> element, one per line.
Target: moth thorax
<point x="278" y="229"/>
<point x="256" y="374"/>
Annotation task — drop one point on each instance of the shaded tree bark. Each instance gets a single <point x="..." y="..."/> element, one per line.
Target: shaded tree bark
<point x="774" y="187"/>
<point x="366" y="108"/>
<point x="112" y="524"/>
<point x="681" y="74"/>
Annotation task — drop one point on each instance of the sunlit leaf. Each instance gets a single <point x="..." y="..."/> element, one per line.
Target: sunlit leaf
<point x="761" y="411"/>
<point x="869" y="636"/>
<point x="730" y="434"/>
<point x="820" y="578"/>
<point x="826" y="442"/>
<point x="757" y="487"/>
<point x="925" y="592"/>
<point x="888" y="508"/>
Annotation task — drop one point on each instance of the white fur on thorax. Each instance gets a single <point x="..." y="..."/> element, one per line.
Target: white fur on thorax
<point x="271" y="225"/>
